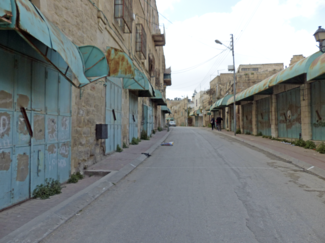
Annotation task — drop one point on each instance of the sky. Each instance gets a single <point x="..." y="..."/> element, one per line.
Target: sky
<point x="265" y="31"/>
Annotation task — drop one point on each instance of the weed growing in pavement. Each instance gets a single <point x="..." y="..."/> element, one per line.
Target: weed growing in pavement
<point x="300" y="143"/>
<point x="159" y="129"/>
<point x="144" y="135"/>
<point x="209" y="125"/>
<point x="153" y="131"/>
<point x="238" y="131"/>
<point x="247" y="133"/>
<point x="119" y="149"/>
<point x="125" y="146"/>
<point x="74" y="178"/>
<point x="310" y="145"/>
<point x="134" y="141"/>
<point x="321" y="148"/>
<point x="50" y="188"/>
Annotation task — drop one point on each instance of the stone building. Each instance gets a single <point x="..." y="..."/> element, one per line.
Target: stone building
<point x="287" y="105"/>
<point x="66" y="67"/>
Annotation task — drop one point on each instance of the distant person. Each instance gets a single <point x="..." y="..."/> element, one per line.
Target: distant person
<point x="212" y="122"/>
<point x="219" y="119"/>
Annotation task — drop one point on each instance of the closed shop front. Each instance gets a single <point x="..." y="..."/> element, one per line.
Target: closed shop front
<point x="289" y="114"/>
<point x="133" y="117"/>
<point x="35" y="120"/>
<point x="318" y="110"/>
<point x="247" y="118"/>
<point x="113" y="114"/>
<point x="263" y="116"/>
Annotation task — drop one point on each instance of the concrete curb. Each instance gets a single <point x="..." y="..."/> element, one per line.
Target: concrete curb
<point x="41" y="226"/>
<point x="301" y="164"/>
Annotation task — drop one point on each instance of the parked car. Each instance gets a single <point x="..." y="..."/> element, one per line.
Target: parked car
<point x="172" y="123"/>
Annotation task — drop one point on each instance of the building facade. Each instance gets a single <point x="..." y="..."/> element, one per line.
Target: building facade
<point x="77" y="79"/>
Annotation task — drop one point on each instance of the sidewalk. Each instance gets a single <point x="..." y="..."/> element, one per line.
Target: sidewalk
<point x="32" y="220"/>
<point x="307" y="159"/>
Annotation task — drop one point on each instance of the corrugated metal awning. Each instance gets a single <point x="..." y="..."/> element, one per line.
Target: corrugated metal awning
<point x="31" y="24"/>
<point x="220" y="103"/>
<point x="5" y="12"/>
<point x="317" y="68"/>
<point x="295" y="74"/>
<point x="158" y="99"/>
<point x="140" y="82"/>
<point x="120" y="64"/>
<point x="165" y="109"/>
<point x="95" y="62"/>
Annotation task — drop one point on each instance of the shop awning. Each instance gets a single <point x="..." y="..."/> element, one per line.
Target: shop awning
<point x="295" y="74"/>
<point x="5" y="12"/>
<point x="317" y="69"/>
<point x="220" y="103"/>
<point x="158" y="99"/>
<point x="140" y="82"/>
<point x="209" y="113"/>
<point x="165" y="109"/>
<point x="36" y="30"/>
<point x="96" y="65"/>
<point x="120" y="64"/>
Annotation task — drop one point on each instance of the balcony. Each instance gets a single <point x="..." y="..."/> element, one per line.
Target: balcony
<point x="158" y="38"/>
<point x="168" y="77"/>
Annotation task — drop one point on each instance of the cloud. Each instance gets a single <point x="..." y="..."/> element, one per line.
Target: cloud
<point x="164" y="5"/>
<point x="263" y="33"/>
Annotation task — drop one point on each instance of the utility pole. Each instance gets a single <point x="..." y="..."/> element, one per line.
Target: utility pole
<point x="233" y="58"/>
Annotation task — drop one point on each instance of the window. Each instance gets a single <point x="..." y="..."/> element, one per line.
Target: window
<point x="152" y="65"/>
<point x="141" y="42"/>
<point x="123" y="14"/>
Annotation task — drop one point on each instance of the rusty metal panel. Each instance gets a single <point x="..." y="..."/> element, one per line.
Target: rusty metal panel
<point x="247" y="118"/>
<point x="289" y="114"/>
<point x="120" y="64"/>
<point x="317" y="68"/>
<point x="318" y="110"/>
<point x="95" y="62"/>
<point x="263" y="116"/>
<point x="158" y="98"/>
<point x="139" y="82"/>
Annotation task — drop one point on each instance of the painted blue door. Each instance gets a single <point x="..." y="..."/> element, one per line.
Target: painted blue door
<point x="318" y="110"/>
<point x="133" y="117"/>
<point x="247" y="118"/>
<point x="113" y="114"/>
<point x="289" y="114"/>
<point x="263" y="116"/>
<point x="145" y="118"/>
<point x="25" y="161"/>
<point x="150" y="119"/>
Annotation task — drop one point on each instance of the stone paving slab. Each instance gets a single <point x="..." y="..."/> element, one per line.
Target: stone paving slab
<point x="305" y="158"/>
<point x="38" y="218"/>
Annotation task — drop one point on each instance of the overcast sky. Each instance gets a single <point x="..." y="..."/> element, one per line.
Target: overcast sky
<point x="265" y="31"/>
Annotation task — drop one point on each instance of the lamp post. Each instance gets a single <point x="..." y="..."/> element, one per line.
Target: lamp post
<point x="234" y="69"/>
<point x="320" y="38"/>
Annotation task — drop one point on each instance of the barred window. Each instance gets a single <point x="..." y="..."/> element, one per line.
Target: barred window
<point x="123" y="12"/>
<point x="141" y="41"/>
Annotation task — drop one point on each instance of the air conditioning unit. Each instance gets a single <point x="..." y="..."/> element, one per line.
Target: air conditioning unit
<point x="231" y="68"/>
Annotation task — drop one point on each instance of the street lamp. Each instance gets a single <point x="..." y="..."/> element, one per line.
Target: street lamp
<point x="233" y="69"/>
<point x="320" y="37"/>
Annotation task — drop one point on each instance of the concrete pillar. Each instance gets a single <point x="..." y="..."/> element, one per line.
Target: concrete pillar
<point x="274" y="117"/>
<point x="254" y="118"/>
<point x="305" y="100"/>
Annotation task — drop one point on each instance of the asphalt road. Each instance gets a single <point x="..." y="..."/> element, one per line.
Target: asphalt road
<point x="206" y="188"/>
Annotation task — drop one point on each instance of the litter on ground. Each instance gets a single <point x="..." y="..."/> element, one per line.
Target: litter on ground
<point x="167" y="144"/>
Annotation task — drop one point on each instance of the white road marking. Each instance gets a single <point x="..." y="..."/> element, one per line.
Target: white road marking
<point x="311" y="167"/>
